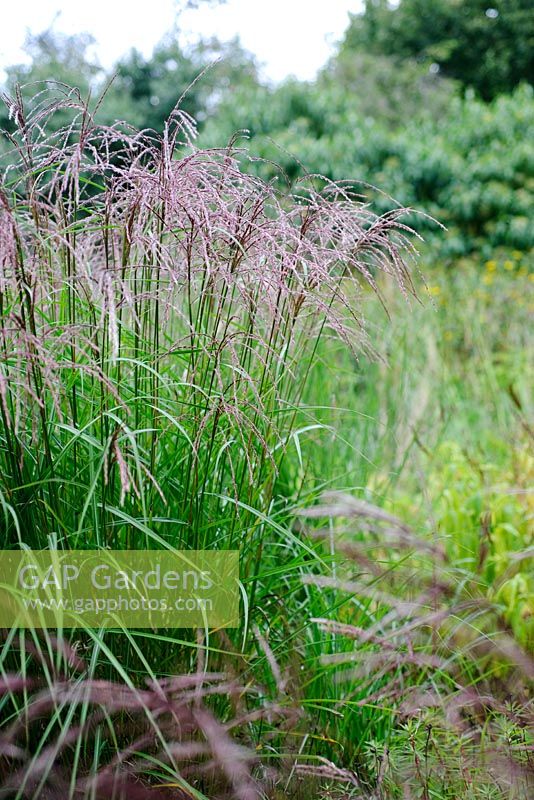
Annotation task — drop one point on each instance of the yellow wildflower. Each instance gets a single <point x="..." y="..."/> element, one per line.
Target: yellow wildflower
<point x="434" y="291"/>
<point x="487" y="279"/>
<point x="517" y="254"/>
<point x="491" y="266"/>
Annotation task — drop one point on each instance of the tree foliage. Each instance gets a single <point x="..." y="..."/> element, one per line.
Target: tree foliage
<point x="146" y="90"/>
<point x="386" y="122"/>
<point x="486" y="44"/>
<point x="143" y="90"/>
<point x="471" y="166"/>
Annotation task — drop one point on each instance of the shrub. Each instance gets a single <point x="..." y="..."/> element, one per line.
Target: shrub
<point x="470" y="165"/>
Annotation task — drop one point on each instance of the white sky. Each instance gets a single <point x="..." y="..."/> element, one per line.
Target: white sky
<point x="287" y="36"/>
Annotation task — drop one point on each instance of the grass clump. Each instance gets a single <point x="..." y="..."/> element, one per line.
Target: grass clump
<point x="159" y="316"/>
<point x="159" y="319"/>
